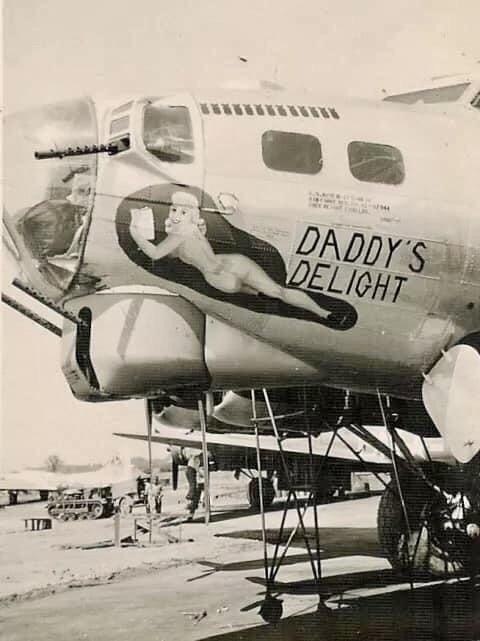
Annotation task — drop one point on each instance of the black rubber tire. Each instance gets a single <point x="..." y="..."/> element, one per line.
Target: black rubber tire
<point x="125" y="505"/>
<point x="254" y="493"/>
<point x="389" y="524"/>
<point x="96" y="511"/>
<point x="421" y="554"/>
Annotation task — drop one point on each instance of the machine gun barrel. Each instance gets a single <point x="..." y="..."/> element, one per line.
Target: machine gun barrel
<point x="110" y="149"/>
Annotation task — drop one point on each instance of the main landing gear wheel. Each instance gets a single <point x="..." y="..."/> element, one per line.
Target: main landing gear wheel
<point x="443" y="536"/>
<point x="254" y="493"/>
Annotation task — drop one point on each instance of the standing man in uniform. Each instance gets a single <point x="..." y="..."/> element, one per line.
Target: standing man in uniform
<point x="195" y="487"/>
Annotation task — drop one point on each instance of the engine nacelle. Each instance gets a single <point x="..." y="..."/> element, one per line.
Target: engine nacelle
<point x="236" y="409"/>
<point x="133" y="345"/>
<point x="140" y="345"/>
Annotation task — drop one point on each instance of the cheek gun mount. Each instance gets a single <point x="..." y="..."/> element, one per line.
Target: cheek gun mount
<point x="111" y="149"/>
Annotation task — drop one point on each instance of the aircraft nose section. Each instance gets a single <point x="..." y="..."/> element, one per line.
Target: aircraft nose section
<point x="48" y="198"/>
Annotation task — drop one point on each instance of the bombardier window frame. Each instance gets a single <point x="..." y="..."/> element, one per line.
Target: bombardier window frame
<point x="50" y="201"/>
<point x="363" y="154"/>
<point x="281" y="151"/>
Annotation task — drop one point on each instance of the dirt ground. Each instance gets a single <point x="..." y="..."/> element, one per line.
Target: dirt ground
<point x="197" y="582"/>
<point x="33" y="563"/>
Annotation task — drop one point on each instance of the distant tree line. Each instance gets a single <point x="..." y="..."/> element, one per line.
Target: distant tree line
<point x="54" y="463"/>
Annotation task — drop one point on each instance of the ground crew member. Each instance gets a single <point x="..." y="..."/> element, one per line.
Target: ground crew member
<point x="153" y="493"/>
<point x="195" y="487"/>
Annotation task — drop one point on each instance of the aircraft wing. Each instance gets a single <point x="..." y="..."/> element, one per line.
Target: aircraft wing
<point x="30" y="481"/>
<point x="220" y="444"/>
<point x="242" y="445"/>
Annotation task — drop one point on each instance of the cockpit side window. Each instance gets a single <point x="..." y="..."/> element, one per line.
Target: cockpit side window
<point x="167" y="133"/>
<point x="292" y="152"/>
<point x="376" y="163"/>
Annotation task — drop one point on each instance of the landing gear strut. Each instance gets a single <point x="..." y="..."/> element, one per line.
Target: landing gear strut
<point x="428" y="518"/>
<point x="442" y="537"/>
<point x="271" y="609"/>
<point x="429" y="521"/>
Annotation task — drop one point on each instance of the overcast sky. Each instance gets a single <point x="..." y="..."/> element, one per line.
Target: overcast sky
<point x="61" y="48"/>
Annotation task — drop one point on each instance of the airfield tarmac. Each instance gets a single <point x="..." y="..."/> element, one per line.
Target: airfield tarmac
<point x="199" y="582"/>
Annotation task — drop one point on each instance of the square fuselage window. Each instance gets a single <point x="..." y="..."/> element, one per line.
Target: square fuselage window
<point x="292" y="152"/>
<point x="376" y="163"/>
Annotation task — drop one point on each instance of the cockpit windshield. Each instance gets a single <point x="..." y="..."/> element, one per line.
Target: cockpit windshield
<point x="167" y="132"/>
<point x="449" y="93"/>
<point x="48" y="200"/>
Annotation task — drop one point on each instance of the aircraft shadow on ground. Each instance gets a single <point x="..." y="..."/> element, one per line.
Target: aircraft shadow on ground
<point x="432" y="612"/>
<point x="334" y="543"/>
<point x="336" y="585"/>
<point x="241" y="511"/>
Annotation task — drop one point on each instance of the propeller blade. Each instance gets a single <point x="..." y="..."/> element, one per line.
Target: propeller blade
<point x="174" y="473"/>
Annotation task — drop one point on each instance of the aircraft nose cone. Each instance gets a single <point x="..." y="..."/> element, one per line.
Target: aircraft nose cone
<point x="49" y="195"/>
